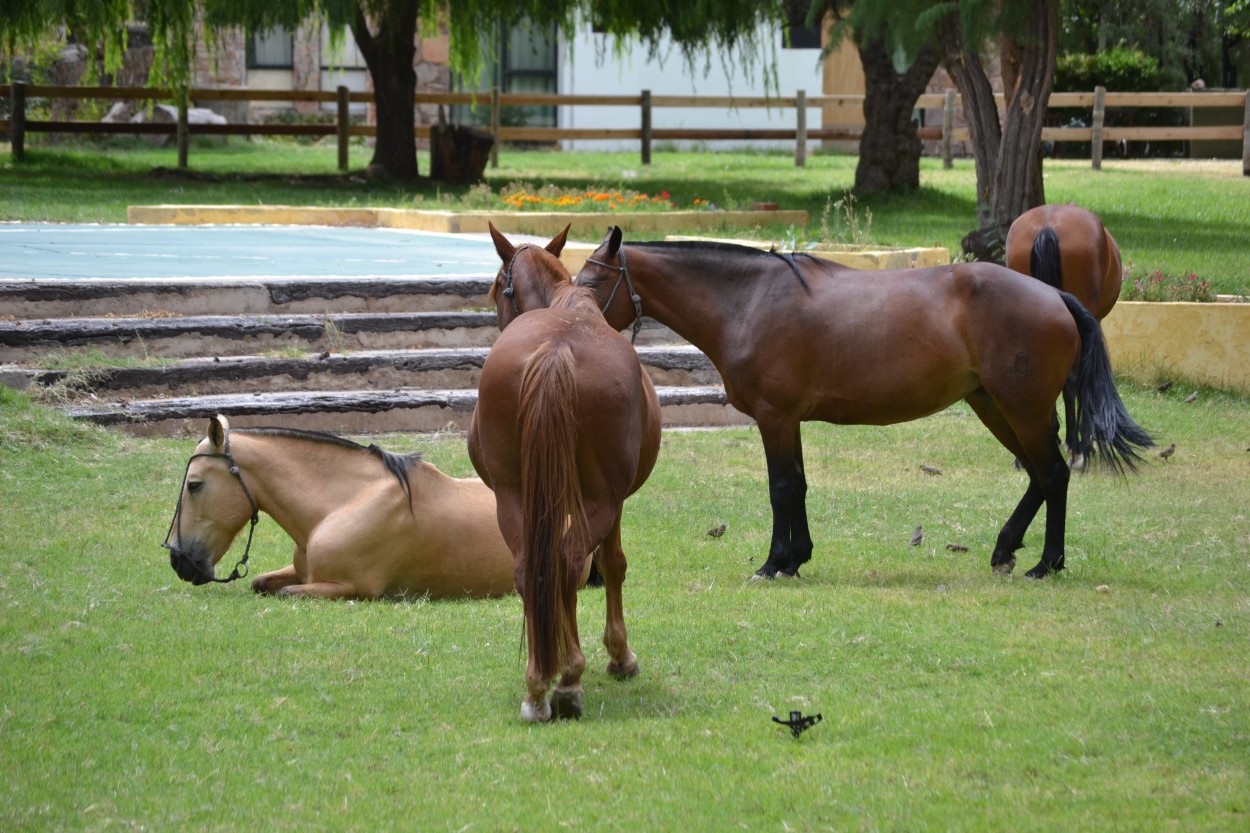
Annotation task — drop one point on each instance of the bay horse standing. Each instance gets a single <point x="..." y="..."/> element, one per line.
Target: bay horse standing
<point x="1068" y="248"/>
<point x="797" y="338"/>
<point x="567" y="425"/>
<point x="366" y="523"/>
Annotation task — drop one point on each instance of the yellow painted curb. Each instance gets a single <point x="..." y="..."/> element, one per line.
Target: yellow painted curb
<point x="1205" y="343"/>
<point x="885" y="257"/>
<point x="547" y="223"/>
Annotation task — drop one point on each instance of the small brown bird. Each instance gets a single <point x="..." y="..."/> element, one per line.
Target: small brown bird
<point x="1167" y="452"/>
<point x="930" y="470"/>
<point x="717" y="532"/>
<point x="1164" y="387"/>
<point x="956" y="548"/>
<point x="917" y="537"/>
<point x="1191" y="398"/>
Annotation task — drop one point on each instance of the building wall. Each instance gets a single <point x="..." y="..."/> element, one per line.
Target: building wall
<point x="589" y="66"/>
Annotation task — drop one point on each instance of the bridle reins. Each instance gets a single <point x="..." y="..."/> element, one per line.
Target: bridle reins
<point x="623" y="275"/>
<point x="241" y="568"/>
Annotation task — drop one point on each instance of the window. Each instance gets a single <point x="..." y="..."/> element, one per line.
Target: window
<point x="270" y="49"/>
<point x="526" y="62"/>
<point x="800" y="37"/>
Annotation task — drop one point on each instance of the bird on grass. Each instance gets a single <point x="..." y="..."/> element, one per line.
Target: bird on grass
<point x="1164" y="387"/>
<point x="718" y="531"/>
<point x="917" y="537"/>
<point x="930" y="470"/>
<point x="1167" y="452"/>
<point x="1191" y="398"/>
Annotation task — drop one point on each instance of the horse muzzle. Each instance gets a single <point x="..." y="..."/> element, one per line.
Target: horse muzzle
<point x="190" y="568"/>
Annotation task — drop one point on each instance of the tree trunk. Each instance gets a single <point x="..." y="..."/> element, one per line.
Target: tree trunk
<point x="389" y="53"/>
<point x="890" y="149"/>
<point x="1008" y="158"/>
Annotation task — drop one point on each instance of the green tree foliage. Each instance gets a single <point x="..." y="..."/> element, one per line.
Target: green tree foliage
<point x="384" y="31"/>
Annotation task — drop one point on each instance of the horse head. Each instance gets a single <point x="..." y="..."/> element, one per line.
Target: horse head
<point x="529" y="278"/>
<point x="603" y="274"/>
<point x="213" y="506"/>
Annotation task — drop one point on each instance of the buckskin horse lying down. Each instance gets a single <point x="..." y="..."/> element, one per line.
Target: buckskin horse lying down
<point x="366" y="523"/>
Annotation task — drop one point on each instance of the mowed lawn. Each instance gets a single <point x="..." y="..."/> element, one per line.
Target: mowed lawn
<point x="1178" y="217"/>
<point x="1112" y="697"/>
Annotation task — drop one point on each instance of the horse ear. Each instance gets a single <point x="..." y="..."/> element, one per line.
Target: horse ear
<point x="614" y="240"/>
<point x="217" y="428"/>
<point x="557" y="243"/>
<point x="503" y="248"/>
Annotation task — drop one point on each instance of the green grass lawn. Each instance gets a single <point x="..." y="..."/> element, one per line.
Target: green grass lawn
<point x="1111" y="697"/>
<point x="1179" y="217"/>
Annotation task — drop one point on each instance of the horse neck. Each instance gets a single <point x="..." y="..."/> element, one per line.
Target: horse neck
<point x="690" y="298"/>
<point x="568" y="296"/>
<point x="291" y="479"/>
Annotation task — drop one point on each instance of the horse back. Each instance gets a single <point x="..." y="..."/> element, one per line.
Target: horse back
<point x="1085" y="257"/>
<point x="617" y="409"/>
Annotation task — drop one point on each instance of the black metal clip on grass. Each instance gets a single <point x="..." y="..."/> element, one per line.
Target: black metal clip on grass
<point x="798" y="723"/>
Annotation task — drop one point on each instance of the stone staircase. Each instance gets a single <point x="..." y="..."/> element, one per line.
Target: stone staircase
<point x="156" y="357"/>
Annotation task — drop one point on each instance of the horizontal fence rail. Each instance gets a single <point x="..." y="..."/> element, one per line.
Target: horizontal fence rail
<point x="18" y="125"/>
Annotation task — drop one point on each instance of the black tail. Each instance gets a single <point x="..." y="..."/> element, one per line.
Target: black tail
<point x="1044" y="258"/>
<point x="1102" y="421"/>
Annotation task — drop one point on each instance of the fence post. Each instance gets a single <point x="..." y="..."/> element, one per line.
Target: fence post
<point x="646" y="127"/>
<point x="343" y="124"/>
<point x="1095" y="141"/>
<point x="17" y="115"/>
<point x="1245" y="140"/>
<point x="800" y="128"/>
<point x="183" y="132"/>
<point x="494" y="127"/>
<point x="948" y="128"/>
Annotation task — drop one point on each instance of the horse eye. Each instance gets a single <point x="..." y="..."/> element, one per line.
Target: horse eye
<point x="195" y="486"/>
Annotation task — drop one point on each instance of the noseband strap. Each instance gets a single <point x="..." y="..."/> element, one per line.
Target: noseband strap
<point x="623" y="274"/>
<point x="241" y="568"/>
<point x="508" y="291"/>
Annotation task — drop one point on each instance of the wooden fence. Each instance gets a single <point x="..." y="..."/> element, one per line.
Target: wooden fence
<point x="851" y="108"/>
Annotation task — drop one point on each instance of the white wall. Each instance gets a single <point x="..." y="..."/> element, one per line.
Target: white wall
<point x="583" y="73"/>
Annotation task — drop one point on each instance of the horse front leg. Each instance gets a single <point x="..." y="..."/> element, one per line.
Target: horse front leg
<point x="787" y="490"/>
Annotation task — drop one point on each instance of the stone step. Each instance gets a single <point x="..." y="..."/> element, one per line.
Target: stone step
<point x="435" y="368"/>
<point x="25" y="341"/>
<point x="40" y="299"/>
<point x="361" y="411"/>
<point x="225" y="335"/>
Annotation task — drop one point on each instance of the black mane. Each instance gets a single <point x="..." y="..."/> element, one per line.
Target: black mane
<point x="714" y="247"/>
<point x="397" y="464"/>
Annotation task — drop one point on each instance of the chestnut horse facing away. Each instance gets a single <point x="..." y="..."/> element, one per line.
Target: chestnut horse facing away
<point x="366" y="523"/>
<point x="797" y="338"/>
<point x="567" y="425"/>
<point x="1068" y="248"/>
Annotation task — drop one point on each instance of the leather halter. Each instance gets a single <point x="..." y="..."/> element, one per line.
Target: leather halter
<point x="623" y="274"/>
<point x="508" y="291"/>
<point x="240" y="569"/>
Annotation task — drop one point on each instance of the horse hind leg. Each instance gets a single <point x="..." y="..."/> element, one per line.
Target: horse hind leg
<point x="566" y="698"/>
<point x="1038" y="447"/>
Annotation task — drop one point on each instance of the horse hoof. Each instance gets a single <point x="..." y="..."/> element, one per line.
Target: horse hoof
<point x="783" y="574"/>
<point x="566" y="703"/>
<point x="532" y="712"/>
<point x="1004" y="568"/>
<point x="624" y="670"/>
